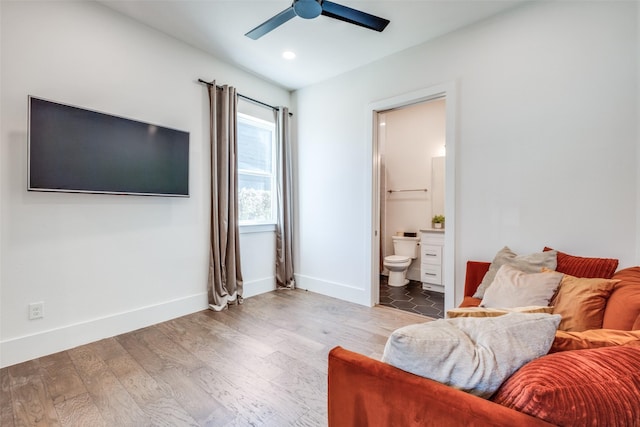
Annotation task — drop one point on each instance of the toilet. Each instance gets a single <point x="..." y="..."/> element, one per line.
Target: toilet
<point x="405" y="249"/>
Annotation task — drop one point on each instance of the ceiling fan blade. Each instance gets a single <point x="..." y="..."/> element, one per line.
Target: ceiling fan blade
<point x="353" y="16"/>
<point x="271" y="24"/>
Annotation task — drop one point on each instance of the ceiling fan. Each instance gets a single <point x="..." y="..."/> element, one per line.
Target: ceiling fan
<point x="309" y="9"/>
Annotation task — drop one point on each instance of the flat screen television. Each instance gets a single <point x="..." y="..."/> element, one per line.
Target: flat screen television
<point x="73" y="149"/>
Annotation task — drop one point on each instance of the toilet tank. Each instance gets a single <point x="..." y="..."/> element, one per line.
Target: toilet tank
<point x="405" y="246"/>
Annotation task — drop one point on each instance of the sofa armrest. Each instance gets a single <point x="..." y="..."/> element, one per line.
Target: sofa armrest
<point x="474" y="275"/>
<point x="367" y="392"/>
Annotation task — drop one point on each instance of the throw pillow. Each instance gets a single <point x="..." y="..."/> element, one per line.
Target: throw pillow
<point x="597" y="387"/>
<point x="514" y="288"/>
<point x="585" y="267"/>
<point x="471" y="354"/>
<point x="581" y="302"/>
<point x="594" y="338"/>
<point x="494" y="312"/>
<point x="623" y="306"/>
<point x="532" y="263"/>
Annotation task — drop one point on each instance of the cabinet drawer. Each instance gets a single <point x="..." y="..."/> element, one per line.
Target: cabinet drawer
<point x="432" y="239"/>
<point x="431" y="274"/>
<point x="432" y="254"/>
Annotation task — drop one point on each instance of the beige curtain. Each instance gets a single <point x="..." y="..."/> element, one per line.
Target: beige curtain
<point x="225" y="277"/>
<point x="284" y="226"/>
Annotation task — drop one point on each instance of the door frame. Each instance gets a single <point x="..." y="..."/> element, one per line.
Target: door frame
<point x="448" y="92"/>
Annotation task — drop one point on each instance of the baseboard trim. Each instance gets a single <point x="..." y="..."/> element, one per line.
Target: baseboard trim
<point x="332" y="289"/>
<point x="21" y="349"/>
<point x="257" y="287"/>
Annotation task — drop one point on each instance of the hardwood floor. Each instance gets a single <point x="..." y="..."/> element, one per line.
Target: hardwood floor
<point x="263" y="363"/>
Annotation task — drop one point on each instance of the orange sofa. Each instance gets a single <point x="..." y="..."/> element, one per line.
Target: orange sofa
<point x="366" y="392"/>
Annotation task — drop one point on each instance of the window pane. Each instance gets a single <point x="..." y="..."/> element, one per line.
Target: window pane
<point x="254" y="147"/>
<point x="254" y="198"/>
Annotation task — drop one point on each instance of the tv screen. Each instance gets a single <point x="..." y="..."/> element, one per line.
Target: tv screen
<point x="72" y="149"/>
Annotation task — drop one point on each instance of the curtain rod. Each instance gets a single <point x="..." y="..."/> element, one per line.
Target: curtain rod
<point x="255" y="101"/>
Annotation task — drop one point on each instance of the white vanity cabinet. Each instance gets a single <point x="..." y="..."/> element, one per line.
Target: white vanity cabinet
<point x="431" y="254"/>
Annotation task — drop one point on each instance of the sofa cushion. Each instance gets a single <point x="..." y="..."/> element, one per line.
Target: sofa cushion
<point x="597" y="387"/>
<point x="470" y="302"/>
<point x="495" y="312"/>
<point x="583" y="266"/>
<point x="623" y="306"/>
<point x="471" y="354"/>
<point x="514" y="288"/>
<point x="581" y="302"/>
<point x="595" y="338"/>
<point x="532" y="263"/>
<point x="475" y="272"/>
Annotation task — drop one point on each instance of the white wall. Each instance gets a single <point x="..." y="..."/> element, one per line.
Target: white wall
<point x="637" y="54"/>
<point x="546" y="136"/>
<point x="105" y="264"/>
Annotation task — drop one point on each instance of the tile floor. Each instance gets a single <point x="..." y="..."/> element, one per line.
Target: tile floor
<point x="412" y="298"/>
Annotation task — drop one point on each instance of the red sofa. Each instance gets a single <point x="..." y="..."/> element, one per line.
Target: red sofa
<point x="366" y="392"/>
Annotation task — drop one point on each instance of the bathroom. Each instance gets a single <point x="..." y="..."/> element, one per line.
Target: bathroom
<point x="411" y="147"/>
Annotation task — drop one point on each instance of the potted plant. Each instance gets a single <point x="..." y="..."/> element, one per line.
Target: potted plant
<point x="438" y="221"/>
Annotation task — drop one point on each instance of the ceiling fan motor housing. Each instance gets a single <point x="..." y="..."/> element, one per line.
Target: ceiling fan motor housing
<point x="307" y="9"/>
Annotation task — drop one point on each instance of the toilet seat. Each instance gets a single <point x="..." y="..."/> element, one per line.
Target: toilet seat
<point x="396" y="259"/>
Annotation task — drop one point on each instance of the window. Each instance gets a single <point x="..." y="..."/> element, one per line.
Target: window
<point x="256" y="170"/>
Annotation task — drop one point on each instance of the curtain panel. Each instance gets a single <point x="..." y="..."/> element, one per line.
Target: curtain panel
<point x="225" y="277"/>
<point x="284" y="225"/>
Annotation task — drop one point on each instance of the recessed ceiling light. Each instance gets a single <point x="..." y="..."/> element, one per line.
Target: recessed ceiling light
<point x="287" y="54"/>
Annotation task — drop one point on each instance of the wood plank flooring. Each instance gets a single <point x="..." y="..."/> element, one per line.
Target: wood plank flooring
<point x="263" y="363"/>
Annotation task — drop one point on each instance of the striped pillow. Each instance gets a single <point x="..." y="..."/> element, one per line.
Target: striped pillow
<point x="585" y="267"/>
<point x="596" y="387"/>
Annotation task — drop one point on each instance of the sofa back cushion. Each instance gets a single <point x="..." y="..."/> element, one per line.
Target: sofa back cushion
<point x="623" y="306"/>
<point x="473" y="277"/>
<point x="597" y="387"/>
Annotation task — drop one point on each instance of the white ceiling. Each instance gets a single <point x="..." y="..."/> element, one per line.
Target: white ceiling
<point x="325" y="47"/>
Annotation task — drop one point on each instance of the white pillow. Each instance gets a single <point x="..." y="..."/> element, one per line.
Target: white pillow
<point x="469" y="353"/>
<point x="532" y="263"/>
<point x="514" y="288"/>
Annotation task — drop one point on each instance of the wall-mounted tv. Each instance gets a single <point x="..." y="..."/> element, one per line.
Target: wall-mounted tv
<point x="73" y="149"/>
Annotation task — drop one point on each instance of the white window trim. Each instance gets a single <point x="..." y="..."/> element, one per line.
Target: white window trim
<point x="257" y="228"/>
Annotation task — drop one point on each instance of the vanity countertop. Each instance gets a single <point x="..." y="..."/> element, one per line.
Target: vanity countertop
<point x="432" y="230"/>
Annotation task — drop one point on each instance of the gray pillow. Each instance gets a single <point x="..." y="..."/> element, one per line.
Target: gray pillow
<point x="469" y="353"/>
<point x="532" y="263"/>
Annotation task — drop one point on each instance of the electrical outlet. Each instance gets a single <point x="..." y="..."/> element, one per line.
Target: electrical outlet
<point x="36" y="310"/>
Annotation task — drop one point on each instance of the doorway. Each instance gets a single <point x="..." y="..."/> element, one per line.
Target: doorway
<point x="381" y="185"/>
<point x="411" y="148"/>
